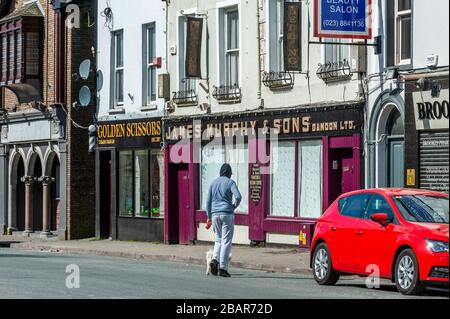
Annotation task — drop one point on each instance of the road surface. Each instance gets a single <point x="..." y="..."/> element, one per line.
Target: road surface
<point x="41" y="275"/>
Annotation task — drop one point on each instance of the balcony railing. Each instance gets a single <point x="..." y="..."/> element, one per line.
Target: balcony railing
<point x="278" y="80"/>
<point x="187" y="96"/>
<point x="335" y="71"/>
<point x="227" y="94"/>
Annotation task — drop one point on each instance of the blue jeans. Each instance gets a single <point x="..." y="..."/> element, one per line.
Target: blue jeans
<point x="223" y="225"/>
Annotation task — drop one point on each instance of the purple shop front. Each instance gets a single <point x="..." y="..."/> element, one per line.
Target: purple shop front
<point x="289" y="166"/>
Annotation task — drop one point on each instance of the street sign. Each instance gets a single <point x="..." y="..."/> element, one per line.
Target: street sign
<point x="343" y="19"/>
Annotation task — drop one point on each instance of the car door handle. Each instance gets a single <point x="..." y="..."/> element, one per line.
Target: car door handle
<point x="333" y="229"/>
<point x="359" y="233"/>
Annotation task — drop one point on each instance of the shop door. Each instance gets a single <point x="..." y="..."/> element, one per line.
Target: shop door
<point x="348" y="175"/>
<point x="183" y="206"/>
<point x="105" y="195"/>
<point x="396" y="162"/>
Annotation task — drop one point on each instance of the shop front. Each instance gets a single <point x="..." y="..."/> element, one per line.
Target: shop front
<point x="427" y="135"/>
<point x="129" y="180"/>
<point x="289" y="165"/>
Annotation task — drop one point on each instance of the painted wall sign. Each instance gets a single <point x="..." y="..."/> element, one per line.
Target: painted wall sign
<point x="343" y="19"/>
<point x="431" y="113"/>
<point x="292" y="38"/>
<point x="255" y="183"/>
<point x="132" y="134"/>
<point x="288" y="124"/>
<point x="194" y="47"/>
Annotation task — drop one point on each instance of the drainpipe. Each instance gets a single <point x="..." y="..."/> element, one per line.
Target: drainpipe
<point x="258" y="18"/>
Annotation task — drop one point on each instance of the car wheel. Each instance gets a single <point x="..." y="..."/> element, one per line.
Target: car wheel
<point x="407" y="274"/>
<point x="323" y="270"/>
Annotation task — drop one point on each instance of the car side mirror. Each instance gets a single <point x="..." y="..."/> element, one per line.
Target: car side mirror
<point x="381" y="218"/>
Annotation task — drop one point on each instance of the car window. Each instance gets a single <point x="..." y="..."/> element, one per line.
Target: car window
<point x="377" y="205"/>
<point x="355" y="206"/>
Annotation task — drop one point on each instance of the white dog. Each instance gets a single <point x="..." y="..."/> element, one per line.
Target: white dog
<point x="209" y="257"/>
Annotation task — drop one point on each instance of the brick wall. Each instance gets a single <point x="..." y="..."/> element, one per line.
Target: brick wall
<point x="81" y="165"/>
<point x="80" y="175"/>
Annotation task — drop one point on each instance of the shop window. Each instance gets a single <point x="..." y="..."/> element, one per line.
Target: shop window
<point x="157" y="177"/>
<point x="140" y="184"/>
<point x="125" y="185"/>
<point x="149" y="63"/>
<point x="213" y="157"/>
<point x="283" y="179"/>
<point x="310" y="179"/>
<point x="296" y="177"/>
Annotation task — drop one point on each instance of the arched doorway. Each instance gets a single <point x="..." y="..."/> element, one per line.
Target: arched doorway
<point x="20" y="196"/>
<point x="16" y="194"/>
<point x="386" y="143"/>
<point x="395" y="150"/>
<point x="55" y="195"/>
<point x="36" y="172"/>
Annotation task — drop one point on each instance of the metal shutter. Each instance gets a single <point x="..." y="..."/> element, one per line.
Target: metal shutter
<point x="434" y="161"/>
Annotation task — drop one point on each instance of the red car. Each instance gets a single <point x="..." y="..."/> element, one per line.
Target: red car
<point x="401" y="233"/>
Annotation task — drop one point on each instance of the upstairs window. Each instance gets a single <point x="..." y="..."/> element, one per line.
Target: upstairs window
<point x="230" y="37"/>
<point x="149" y="64"/>
<point x="118" y="69"/>
<point x="403" y="25"/>
<point x="276" y="36"/>
<point x="18" y="56"/>
<point x="185" y="84"/>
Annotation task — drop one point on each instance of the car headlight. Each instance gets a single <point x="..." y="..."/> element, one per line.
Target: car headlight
<point x="437" y="246"/>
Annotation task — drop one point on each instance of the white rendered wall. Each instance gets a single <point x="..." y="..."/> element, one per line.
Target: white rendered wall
<point x="130" y="16"/>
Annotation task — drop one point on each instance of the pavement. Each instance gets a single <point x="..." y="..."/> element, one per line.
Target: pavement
<point x="282" y="260"/>
<point x="47" y="275"/>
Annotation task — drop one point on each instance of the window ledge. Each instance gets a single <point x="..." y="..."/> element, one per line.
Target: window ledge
<point x="117" y="110"/>
<point x="150" y="107"/>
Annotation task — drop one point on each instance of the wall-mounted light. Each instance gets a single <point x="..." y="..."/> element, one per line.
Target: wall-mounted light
<point x="436" y="90"/>
<point x="392" y="73"/>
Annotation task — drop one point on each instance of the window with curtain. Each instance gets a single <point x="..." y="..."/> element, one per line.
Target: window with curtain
<point x="237" y="157"/>
<point x="310" y="179"/>
<point x="213" y="157"/>
<point x="296" y="173"/>
<point x="283" y="179"/>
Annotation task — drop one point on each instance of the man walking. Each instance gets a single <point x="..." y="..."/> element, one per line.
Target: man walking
<point x="220" y="209"/>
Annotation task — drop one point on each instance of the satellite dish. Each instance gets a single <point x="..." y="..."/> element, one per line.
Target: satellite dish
<point x="85" y="96"/>
<point x="99" y="80"/>
<point x="85" y="69"/>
